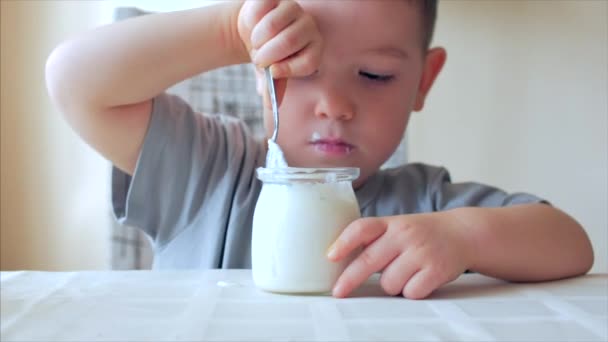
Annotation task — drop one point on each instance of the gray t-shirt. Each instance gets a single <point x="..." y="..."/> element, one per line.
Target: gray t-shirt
<point x="194" y="189"/>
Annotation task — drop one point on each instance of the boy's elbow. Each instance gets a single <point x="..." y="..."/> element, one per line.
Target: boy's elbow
<point x="63" y="83"/>
<point x="588" y="257"/>
<point x="55" y="71"/>
<point x="575" y="245"/>
<point x="585" y="256"/>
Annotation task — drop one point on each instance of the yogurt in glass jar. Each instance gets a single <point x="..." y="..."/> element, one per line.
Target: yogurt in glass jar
<point x="300" y="212"/>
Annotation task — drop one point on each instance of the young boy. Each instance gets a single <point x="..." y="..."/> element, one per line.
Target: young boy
<point x="349" y="74"/>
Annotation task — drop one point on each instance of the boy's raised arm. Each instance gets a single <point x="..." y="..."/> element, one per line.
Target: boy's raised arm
<point x="103" y="81"/>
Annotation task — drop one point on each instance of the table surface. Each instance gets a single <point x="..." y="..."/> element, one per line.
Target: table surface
<point x="224" y="305"/>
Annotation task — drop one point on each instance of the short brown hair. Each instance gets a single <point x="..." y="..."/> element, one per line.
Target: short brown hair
<point x="428" y="11"/>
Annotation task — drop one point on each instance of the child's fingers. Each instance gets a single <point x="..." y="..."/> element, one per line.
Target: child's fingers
<point x="287" y="43"/>
<point x="361" y="232"/>
<point x="421" y="284"/>
<point x="373" y="258"/>
<point x="304" y="63"/>
<point x="274" y="22"/>
<point x="253" y="11"/>
<point x="397" y="273"/>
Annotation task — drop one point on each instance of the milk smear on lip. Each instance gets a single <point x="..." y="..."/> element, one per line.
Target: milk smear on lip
<point x="299" y="214"/>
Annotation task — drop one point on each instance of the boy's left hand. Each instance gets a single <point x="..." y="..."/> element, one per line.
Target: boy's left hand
<point x="416" y="253"/>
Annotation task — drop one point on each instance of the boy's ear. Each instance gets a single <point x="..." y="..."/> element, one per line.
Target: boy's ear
<point x="433" y="63"/>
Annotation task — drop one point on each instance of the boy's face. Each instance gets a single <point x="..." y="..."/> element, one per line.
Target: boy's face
<point x="353" y="112"/>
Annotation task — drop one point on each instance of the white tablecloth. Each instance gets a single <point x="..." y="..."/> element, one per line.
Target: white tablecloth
<point x="225" y="306"/>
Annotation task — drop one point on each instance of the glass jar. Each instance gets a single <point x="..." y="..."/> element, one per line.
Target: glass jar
<point x="300" y="212"/>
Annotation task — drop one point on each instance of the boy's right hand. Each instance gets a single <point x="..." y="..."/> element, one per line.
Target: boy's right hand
<point x="281" y="35"/>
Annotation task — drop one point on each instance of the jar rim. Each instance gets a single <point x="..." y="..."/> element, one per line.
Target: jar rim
<point x="307" y="174"/>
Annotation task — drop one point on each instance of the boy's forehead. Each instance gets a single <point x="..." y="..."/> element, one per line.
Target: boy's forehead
<point x="381" y="21"/>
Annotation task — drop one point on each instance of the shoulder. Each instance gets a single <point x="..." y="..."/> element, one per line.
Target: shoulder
<point x="401" y="190"/>
<point x="417" y="179"/>
<point x="173" y="116"/>
<point x="415" y="173"/>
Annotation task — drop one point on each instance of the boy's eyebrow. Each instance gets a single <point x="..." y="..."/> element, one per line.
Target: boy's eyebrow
<point x="390" y="50"/>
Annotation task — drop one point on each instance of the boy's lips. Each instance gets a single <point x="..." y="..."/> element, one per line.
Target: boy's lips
<point x="332" y="147"/>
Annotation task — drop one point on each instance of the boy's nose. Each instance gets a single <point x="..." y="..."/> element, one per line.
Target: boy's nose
<point x="334" y="103"/>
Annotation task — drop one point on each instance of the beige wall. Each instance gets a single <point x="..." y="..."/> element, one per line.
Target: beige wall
<point x="54" y="209"/>
<point x="522" y="103"/>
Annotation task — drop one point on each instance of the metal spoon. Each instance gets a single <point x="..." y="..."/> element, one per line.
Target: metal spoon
<point x="273" y="102"/>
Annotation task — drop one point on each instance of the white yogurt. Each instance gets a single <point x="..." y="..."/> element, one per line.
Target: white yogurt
<point x="275" y="157"/>
<point x="299" y="214"/>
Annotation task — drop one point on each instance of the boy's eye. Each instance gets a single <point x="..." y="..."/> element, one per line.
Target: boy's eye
<point x="376" y="77"/>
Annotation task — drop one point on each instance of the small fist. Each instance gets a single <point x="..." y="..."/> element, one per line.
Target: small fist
<point x="281" y="35"/>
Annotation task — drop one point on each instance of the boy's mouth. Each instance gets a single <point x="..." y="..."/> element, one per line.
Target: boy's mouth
<point x="332" y="146"/>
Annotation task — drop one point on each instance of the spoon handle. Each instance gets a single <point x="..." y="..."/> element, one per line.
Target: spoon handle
<point x="273" y="102"/>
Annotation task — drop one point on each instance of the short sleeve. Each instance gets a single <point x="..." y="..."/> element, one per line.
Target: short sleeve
<point x="188" y="160"/>
<point x="444" y="194"/>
